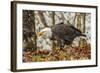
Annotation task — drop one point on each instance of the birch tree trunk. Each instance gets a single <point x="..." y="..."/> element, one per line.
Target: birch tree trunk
<point x="81" y="26"/>
<point x="40" y="13"/>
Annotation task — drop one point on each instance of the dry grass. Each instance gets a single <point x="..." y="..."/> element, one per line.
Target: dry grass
<point x="69" y="53"/>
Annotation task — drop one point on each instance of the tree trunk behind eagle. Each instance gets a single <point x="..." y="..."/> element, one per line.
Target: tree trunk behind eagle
<point x="81" y="26"/>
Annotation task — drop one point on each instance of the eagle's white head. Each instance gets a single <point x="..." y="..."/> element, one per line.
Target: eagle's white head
<point x="43" y="39"/>
<point x="46" y="32"/>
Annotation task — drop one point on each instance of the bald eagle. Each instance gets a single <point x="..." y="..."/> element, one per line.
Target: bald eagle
<point x="62" y="33"/>
<point x="65" y="34"/>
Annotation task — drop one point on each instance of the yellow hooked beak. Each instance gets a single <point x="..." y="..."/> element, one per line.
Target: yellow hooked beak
<point x="40" y="33"/>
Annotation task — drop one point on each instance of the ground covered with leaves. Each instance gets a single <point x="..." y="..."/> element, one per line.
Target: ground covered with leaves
<point x="69" y="53"/>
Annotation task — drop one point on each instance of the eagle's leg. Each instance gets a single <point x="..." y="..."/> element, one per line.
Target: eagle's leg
<point x="61" y="44"/>
<point x="68" y="44"/>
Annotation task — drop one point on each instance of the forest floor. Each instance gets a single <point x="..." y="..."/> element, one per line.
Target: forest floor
<point x="69" y="53"/>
